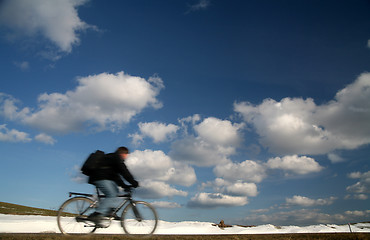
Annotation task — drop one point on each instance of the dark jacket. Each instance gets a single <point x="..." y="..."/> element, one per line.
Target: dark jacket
<point x="112" y="168"/>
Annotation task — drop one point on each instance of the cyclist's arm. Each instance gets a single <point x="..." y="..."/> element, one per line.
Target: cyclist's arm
<point x="125" y="173"/>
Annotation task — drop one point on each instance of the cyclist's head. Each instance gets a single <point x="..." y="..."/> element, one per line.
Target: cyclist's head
<point x="121" y="150"/>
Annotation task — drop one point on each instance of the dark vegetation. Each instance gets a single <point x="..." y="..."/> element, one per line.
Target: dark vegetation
<point x="14" y="209"/>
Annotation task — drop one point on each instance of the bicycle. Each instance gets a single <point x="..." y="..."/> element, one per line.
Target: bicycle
<point x="138" y="218"/>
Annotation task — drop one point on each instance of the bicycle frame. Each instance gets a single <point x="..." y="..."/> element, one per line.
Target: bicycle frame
<point x="73" y="214"/>
<point x="127" y="196"/>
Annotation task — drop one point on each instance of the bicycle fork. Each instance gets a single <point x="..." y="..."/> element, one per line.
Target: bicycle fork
<point x="136" y="212"/>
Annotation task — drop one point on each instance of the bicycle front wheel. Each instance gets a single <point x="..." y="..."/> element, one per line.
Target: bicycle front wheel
<point x="139" y="219"/>
<point x="72" y="216"/>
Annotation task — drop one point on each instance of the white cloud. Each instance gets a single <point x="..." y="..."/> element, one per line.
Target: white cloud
<point x="360" y="196"/>
<point x="362" y="186"/>
<point x="42" y="137"/>
<point x="347" y="116"/>
<point x="295" y="164"/>
<point x="214" y="142"/>
<point x="156" y="189"/>
<point x="22" y="65"/>
<point x="57" y="21"/>
<point x="8" y="108"/>
<point x="299" y="217"/>
<point x="164" y="204"/>
<point x="212" y="200"/>
<point x="201" y="5"/>
<point x="248" y="170"/>
<point x="308" y="202"/>
<point x="76" y="175"/>
<point x="149" y="164"/>
<point x="137" y="138"/>
<point x="298" y="126"/>
<point x="182" y="174"/>
<point x="13" y="135"/>
<point x="192" y="120"/>
<point x="357" y="213"/>
<point x="281" y="125"/>
<point x="335" y="158"/>
<point x="242" y="189"/>
<point x="156" y="165"/>
<point x="156" y="171"/>
<point x="221" y="132"/>
<point x="198" y="152"/>
<point x="103" y="101"/>
<point x="159" y="132"/>
<point x="355" y="175"/>
<point x="235" y="188"/>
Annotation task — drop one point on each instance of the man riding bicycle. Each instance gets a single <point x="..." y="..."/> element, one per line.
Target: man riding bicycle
<point x="107" y="179"/>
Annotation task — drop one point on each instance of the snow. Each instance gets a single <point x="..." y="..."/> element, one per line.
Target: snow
<point x="45" y="224"/>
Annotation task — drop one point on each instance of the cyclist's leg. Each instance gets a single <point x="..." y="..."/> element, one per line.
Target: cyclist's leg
<point x="110" y="190"/>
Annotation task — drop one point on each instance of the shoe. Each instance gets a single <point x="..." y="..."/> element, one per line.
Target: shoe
<point x="115" y="217"/>
<point x="97" y="218"/>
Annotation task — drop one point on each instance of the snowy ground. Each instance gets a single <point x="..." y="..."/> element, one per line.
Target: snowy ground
<point x="42" y="224"/>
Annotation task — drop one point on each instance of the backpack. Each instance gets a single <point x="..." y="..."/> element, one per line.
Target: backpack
<point x="93" y="163"/>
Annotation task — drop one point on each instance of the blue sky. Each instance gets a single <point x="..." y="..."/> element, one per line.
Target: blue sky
<point x="249" y="111"/>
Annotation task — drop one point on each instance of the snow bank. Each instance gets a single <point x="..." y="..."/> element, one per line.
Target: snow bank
<point x="43" y="224"/>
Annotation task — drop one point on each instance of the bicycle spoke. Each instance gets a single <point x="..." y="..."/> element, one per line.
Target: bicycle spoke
<point x="139" y="220"/>
<point x="70" y="218"/>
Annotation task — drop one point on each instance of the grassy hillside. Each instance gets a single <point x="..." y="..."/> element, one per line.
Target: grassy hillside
<point x="9" y="208"/>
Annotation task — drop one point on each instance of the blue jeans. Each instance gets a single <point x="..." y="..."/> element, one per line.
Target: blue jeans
<point x="110" y="190"/>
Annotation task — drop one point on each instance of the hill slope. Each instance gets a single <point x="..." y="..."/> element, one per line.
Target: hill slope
<point x="14" y="209"/>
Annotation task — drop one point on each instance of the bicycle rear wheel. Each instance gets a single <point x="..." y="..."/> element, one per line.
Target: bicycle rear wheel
<point x="72" y="216"/>
<point x="139" y="219"/>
